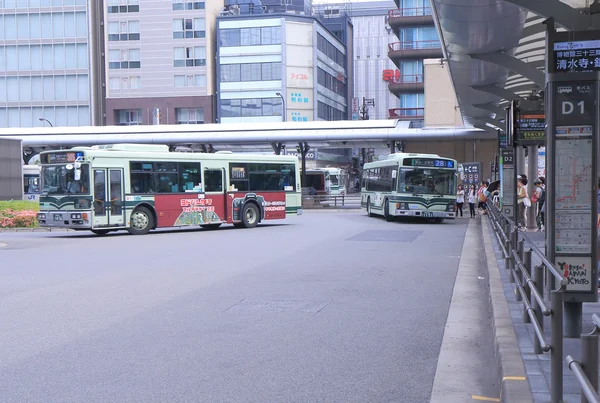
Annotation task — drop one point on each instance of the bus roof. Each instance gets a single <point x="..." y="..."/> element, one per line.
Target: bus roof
<point x="398" y="158"/>
<point x="161" y="152"/>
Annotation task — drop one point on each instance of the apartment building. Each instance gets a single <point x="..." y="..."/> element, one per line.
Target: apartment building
<point x="417" y="39"/>
<point x="159" y="65"/>
<point x="45" y="66"/>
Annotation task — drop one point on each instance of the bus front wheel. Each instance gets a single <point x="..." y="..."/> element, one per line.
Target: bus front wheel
<point x="142" y="221"/>
<point x="250" y="215"/>
<point x="369" y="207"/>
<point x="386" y="211"/>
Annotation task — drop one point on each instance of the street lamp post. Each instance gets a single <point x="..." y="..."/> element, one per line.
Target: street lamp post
<point x="283" y="105"/>
<point x="46" y="120"/>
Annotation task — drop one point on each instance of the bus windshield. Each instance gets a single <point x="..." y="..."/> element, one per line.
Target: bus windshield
<point x="426" y="181"/>
<point x="57" y="179"/>
<point x="335" y="180"/>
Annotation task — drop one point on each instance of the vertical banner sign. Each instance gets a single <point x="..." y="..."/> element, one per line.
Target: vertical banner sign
<point x="574" y="180"/>
<point x="355" y="108"/>
<point x="471" y="173"/>
<point x="507" y="195"/>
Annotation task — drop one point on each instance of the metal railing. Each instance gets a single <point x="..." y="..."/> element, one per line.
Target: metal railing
<point x="331" y="201"/>
<point x="406" y="113"/>
<point x="410" y="12"/>
<point x="529" y="289"/>
<point x="407" y="79"/>
<point x="586" y="371"/>
<point x="414" y="45"/>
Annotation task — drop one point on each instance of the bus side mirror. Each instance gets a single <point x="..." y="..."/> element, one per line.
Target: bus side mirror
<point x="77" y="174"/>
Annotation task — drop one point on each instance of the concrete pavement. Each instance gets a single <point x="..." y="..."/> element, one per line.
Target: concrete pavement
<point x="323" y="307"/>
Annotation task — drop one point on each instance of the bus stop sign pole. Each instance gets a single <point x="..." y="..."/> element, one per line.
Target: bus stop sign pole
<point x="572" y="89"/>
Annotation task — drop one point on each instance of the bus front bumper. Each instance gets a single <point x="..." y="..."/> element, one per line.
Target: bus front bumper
<point x="65" y="219"/>
<point x="424" y="214"/>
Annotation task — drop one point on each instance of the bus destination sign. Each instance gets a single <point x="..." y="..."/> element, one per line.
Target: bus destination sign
<point x="429" y="162"/>
<point x="531" y="128"/>
<point x="577" y="56"/>
<point x="62" y="157"/>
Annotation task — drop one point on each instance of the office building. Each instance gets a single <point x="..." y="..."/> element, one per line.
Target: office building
<point x="417" y="39"/>
<point x="46" y="73"/>
<point x="264" y="60"/>
<point x="159" y="65"/>
<point x="371" y="64"/>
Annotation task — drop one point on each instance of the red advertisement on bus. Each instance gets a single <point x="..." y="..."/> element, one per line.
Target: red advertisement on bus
<point x="175" y="210"/>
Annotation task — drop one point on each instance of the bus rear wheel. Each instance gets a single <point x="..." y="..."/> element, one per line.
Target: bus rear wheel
<point x="250" y="215"/>
<point x="142" y="221"/>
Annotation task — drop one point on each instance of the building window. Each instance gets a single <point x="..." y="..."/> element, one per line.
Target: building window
<point x="251" y="72"/>
<point x="188" y="5"/>
<point x="327" y="112"/>
<point x="124" y="31"/>
<point x="330" y="82"/>
<point x="124" y="59"/>
<point x="196" y="80"/>
<point x="125" y="83"/>
<point x="189" y="28"/>
<point x="123" y="6"/>
<point x="331" y="51"/>
<point x="192" y="116"/>
<point x="189" y="56"/>
<point x="234" y="108"/>
<point x="128" y="117"/>
<point x="250" y="36"/>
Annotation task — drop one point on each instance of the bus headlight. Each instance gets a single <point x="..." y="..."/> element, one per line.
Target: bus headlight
<point x="41" y="216"/>
<point x="76" y="216"/>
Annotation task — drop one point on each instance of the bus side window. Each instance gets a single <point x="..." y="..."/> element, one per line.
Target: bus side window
<point x="189" y="176"/>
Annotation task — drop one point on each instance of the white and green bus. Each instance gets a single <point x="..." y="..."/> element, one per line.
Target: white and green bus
<point x="337" y="180"/>
<point x="138" y="188"/>
<point x="410" y="185"/>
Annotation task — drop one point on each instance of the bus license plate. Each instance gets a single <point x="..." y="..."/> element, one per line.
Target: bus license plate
<point x="57" y="217"/>
<point x="427" y="214"/>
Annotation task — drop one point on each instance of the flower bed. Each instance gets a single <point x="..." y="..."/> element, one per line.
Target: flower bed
<point x="18" y="214"/>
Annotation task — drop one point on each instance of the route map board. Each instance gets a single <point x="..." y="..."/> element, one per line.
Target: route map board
<point x="574" y="184"/>
<point x="507" y="180"/>
<point x="573" y="232"/>
<point x="574" y="180"/>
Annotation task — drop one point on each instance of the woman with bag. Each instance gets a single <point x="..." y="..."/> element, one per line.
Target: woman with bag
<point x="471" y="199"/>
<point x="522" y="201"/>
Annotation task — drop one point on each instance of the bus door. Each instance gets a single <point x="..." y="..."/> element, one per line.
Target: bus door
<point x="214" y="189"/>
<point x="108" y="198"/>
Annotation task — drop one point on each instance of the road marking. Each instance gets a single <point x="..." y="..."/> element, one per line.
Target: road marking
<point x="498" y="399"/>
<point x="2" y="245"/>
<point x="486" y="399"/>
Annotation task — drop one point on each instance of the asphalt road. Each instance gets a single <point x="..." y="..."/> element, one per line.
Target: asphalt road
<point x="326" y="307"/>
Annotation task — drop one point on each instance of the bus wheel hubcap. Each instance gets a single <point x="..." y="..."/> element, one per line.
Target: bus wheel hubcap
<point x="250" y="216"/>
<point x="139" y="220"/>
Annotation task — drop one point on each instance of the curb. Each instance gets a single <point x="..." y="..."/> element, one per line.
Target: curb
<point x="515" y="386"/>
<point x="34" y="230"/>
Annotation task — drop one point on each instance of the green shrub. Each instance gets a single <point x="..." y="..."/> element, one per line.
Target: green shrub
<point x="18" y="214"/>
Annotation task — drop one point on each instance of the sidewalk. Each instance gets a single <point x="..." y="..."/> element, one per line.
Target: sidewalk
<point x="537" y="367"/>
